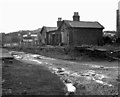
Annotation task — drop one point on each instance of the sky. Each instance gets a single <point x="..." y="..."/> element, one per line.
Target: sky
<point x="18" y="15"/>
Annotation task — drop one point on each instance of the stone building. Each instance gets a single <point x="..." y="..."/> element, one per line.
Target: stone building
<point x="44" y="34"/>
<point x="76" y="32"/>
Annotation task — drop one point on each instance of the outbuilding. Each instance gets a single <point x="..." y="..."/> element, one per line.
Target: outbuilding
<point x="44" y="34"/>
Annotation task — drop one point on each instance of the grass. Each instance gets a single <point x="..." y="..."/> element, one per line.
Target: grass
<point x="27" y="79"/>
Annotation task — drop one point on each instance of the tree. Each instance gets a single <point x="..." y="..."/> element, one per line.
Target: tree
<point x="107" y="40"/>
<point x="15" y="39"/>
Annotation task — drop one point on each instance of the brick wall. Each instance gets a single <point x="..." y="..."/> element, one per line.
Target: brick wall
<point x="80" y="36"/>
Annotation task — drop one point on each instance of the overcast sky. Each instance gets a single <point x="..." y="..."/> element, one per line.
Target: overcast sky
<point x="18" y="15"/>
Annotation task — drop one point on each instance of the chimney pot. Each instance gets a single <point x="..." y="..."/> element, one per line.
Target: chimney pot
<point x="59" y="22"/>
<point x="76" y="16"/>
<point x="76" y="13"/>
<point x="59" y="19"/>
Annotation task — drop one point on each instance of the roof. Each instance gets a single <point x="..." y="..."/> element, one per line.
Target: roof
<point x="51" y="28"/>
<point x="48" y="29"/>
<point x="83" y="24"/>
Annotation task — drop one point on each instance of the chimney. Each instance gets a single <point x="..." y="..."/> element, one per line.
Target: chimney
<point x="118" y="21"/>
<point x="76" y="16"/>
<point x="59" y="22"/>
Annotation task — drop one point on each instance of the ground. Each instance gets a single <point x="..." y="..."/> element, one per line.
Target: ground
<point x="90" y="77"/>
<point x="27" y="79"/>
<point x="22" y="78"/>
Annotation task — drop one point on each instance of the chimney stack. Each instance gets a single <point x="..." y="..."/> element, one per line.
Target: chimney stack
<point x="59" y="22"/>
<point x="118" y="21"/>
<point x="76" y="16"/>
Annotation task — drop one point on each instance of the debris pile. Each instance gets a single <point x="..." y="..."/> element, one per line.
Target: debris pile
<point x="76" y="79"/>
<point x="82" y="77"/>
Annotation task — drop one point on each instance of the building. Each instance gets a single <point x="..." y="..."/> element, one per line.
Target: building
<point x="31" y="38"/>
<point x="23" y="38"/>
<point x="109" y="33"/>
<point x="118" y="21"/>
<point x="76" y="32"/>
<point x="53" y="37"/>
<point x="44" y="34"/>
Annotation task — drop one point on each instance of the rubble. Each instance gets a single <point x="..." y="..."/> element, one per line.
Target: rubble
<point x="70" y="88"/>
<point x="17" y="56"/>
<point x="104" y="83"/>
<point x="75" y="77"/>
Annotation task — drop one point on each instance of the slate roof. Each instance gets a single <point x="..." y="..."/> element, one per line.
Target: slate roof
<point x="51" y="28"/>
<point x="48" y="29"/>
<point x="83" y="24"/>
